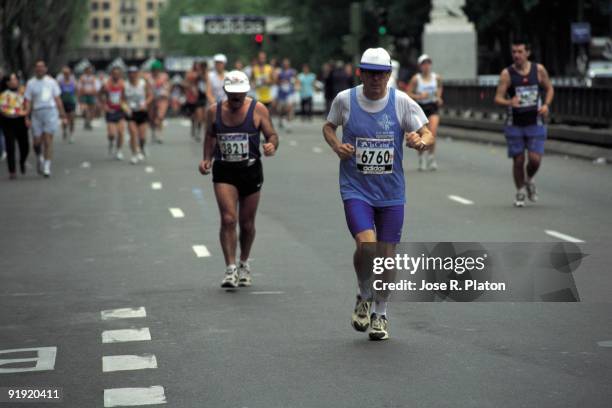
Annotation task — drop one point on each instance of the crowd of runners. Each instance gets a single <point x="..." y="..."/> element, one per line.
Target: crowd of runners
<point x="233" y="109"/>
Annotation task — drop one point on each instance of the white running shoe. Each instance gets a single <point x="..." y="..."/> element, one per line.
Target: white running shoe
<point x="244" y="275"/>
<point x="119" y="155"/>
<point x="519" y="199"/>
<point x="532" y="193"/>
<point x="360" y="320"/>
<point x="134" y="160"/>
<point x="230" y="280"/>
<point x="379" y="327"/>
<point x="47" y="169"/>
<point x="140" y="157"/>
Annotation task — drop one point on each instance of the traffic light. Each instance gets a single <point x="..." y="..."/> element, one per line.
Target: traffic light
<point x="382" y="18"/>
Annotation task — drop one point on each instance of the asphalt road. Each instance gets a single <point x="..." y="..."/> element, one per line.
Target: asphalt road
<point x="97" y="236"/>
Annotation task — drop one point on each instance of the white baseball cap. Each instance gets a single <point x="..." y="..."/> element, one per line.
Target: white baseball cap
<point x="424" y="58"/>
<point x="375" y="59"/>
<point x="236" y="82"/>
<point x="220" y="58"/>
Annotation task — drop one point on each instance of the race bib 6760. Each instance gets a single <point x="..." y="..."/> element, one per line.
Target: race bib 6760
<point x="374" y="156"/>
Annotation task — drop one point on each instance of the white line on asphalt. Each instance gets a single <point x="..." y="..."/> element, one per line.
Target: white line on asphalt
<point x="461" y="200"/>
<point x="185" y="123"/>
<point x="43" y="361"/>
<point x="317" y="149"/>
<point x="85" y="165"/>
<point x="563" y="236"/>
<point x="201" y="251"/>
<point x="268" y="292"/>
<point x="605" y="343"/>
<point x="126" y="363"/>
<point x="125" y="335"/>
<point x="292" y="143"/>
<point x="129" y="397"/>
<point x="125" y="313"/>
<point x="177" y="212"/>
<point x="157" y="185"/>
<point x="149" y="169"/>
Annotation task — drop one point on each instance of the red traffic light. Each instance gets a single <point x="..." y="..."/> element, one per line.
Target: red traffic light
<point x="258" y="38"/>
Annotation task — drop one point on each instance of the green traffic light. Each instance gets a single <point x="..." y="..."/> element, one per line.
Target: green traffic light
<point x="382" y="30"/>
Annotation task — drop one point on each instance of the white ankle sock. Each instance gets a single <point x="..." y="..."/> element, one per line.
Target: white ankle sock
<point x="380" y="308"/>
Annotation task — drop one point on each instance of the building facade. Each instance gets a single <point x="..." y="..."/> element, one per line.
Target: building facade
<point x="122" y="28"/>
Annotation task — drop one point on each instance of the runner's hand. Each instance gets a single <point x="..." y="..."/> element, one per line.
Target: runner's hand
<point x="543" y="111"/>
<point x="64" y="121"/>
<point x="515" y="102"/>
<point x="345" y="151"/>
<point x="269" y="149"/>
<point x="414" y="141"/>
<point x="28" y="122"/>
<point x="205" y="166"/>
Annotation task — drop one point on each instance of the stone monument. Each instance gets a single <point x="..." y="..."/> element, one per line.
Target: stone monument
<point x="450" y="40"/>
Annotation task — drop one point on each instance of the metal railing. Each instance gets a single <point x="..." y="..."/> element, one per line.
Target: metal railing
<point x="572" y="105"/>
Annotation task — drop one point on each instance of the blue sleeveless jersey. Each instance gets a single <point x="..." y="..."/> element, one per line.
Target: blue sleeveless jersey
<point x="237" y="143"/>
<point x="375" y="173"/>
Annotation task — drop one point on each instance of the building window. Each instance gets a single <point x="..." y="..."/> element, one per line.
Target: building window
<point x="133" y="20"/>
<point x="106" y="23"/>
<point x="95" y="38"/>
<point x="94" y="23"/>
<point x="105" y="5"/>
<point x="94" y="5"/>
<point x="150" y="5"/>
<point x="128" y="38"/>
<point x="150" y="22"/>
<point x="151" y="38"/>
<point x="107" y="38"/>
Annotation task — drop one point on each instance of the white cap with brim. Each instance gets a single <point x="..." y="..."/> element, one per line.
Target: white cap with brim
<point x="236" y="82"/>
<point x="375" y="59"/>
<point x="220" y="58"/>
<point x="423" y="58"/>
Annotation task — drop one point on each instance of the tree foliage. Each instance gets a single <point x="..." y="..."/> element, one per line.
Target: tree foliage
<point x="39" y="29"/>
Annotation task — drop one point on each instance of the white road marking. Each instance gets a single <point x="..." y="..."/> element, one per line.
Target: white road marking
<point x="201" y="251"/>
<point x="129" y="397"/>
<point x="44" y="360"/>
<point x="157" y="185"/>
<point x="563" y="236"/>
<point x="149" y="169"/>
<point x="126" y="363"/>
<point x="605" y="343"/>
<point x="177" y="212"/>
<point x="267" y="292"/>
<point x="85" y="165"/>
<point x="461" y="200"/>
<point x="185" y="123"/>
<point x="317" y="149"/>
<point x="125" y="335"/>
<point x="293" y="143"/>
<point x="125" y="313"/>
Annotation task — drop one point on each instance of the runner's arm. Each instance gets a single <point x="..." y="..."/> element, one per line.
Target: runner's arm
<point x="266" y="125"/>
<point x="210" y="139"/>
<point x="502" y="89"/>
<point x="60" y="106"/>
<point x="209" y="95"/>
<point x="546" y="84"/>
<point x="420" y="140"/>
<point x="148" y="94"/>
<point x="439" y="91"/>
<point x="411" y="89"/>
